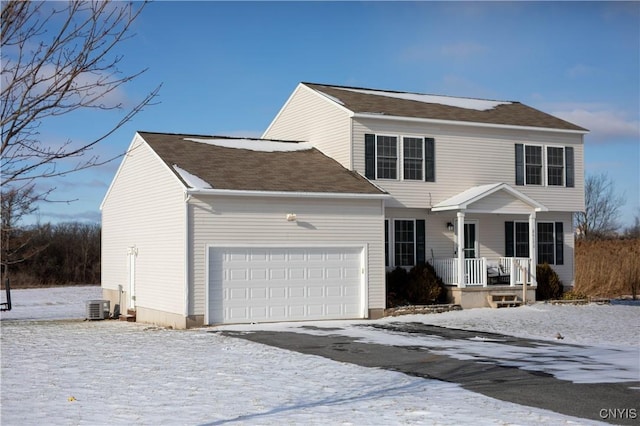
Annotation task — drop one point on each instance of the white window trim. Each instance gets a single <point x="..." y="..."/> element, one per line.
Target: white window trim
<point x="424" y="160"/>
<point x="564" y="165"/>
<point x="553" y="240"/>
<point x="515" y="236"/>
<point x="400" y="156"/>
<point x="392" y="241"/>
<point x="545" y="164"/>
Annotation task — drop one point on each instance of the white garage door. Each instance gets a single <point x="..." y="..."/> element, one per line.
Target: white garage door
<point x="250" y="284"/>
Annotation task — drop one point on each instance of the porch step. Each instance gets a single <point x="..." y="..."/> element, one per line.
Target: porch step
<point x="130" y="316"/>
<point x="504" y="300"/>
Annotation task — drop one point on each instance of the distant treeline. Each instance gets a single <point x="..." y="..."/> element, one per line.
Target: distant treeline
<point x="59" y="254"/>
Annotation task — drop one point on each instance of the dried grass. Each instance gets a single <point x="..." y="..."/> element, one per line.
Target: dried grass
<point x="608" y="268"/>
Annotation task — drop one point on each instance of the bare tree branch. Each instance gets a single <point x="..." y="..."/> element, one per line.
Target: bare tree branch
<point x="58" y="58"/>
<point x="602" y="208"/>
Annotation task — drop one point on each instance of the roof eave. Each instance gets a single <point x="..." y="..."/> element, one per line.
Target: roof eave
<point x="466" y="123"/>
<point x="289" y="194"/>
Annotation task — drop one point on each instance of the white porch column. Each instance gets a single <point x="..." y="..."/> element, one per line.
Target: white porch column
<point x="533" y="253"/>
<point x="461" y="276"/>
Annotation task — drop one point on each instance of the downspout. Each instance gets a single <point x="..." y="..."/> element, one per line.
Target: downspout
<point x="187" y="255"/>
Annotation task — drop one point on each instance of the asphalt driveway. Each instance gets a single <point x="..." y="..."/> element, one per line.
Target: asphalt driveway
<point x="595" y="401"/>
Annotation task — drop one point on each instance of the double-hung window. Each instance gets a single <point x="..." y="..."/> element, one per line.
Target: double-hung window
<point x="555" y="166"/>
<point x="516" y="239"/>
<point x="550" y="243"/>
<point x="545" y="165"/>
<point x="386" y="157"/>
<point x="400" y="157"/>
<point x="404" y="242"/>
<point x="413" y="155"/>
<point x="533" y="164"/>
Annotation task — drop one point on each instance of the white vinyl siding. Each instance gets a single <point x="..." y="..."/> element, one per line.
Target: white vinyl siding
<point x="311" y="117"/>
<point x="255" y="221"/>
<point x="145" y="209"/>
<point x="467" y="157"/>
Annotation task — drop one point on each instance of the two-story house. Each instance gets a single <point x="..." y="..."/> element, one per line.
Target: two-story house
<point x="345" y="184"/>
<point x="482" y="189"/>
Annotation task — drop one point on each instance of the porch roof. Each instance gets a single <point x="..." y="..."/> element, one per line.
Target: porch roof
<point x="463" y="200"/>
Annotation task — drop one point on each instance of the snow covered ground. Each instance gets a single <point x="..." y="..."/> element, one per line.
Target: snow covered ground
<point x="58" y="369"/>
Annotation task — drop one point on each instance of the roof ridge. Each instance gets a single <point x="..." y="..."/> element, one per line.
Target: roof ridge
<point x="407" y="92"/>
<point x="198" y="135"/>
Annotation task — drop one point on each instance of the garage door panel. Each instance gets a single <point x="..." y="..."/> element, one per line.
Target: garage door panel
<point x="251" y="284"/>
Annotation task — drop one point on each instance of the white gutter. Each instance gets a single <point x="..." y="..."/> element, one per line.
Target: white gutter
<point x="465" y="123"/>
<point x="254" y="193"/>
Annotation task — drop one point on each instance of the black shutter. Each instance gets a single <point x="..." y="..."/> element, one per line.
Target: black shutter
<point x="519" y="164"/>
<point x="569" y="166"/>
<point x="559" y="244"/>
<point x="370" y="156"/>
<point x="429" y="160"/>
<point x="386" y="243"/>
<point x="509" y="249"/>
<point x="421" y="250"/>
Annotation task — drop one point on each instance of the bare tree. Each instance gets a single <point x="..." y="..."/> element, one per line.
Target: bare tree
<point x="602" y="208"/>
<point x="17" y="242"/>
<point x="58" y="58"/>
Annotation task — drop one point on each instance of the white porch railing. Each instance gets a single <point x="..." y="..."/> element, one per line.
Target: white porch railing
<point x="476" y="270"/>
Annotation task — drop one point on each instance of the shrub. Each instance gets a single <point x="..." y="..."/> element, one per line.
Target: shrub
<point x="549" y="284"/>
<point x="397" y="282"/>
<point x="419" y="286"/>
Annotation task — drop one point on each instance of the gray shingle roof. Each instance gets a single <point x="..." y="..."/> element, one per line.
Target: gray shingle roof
<point x="390" y="103"/>
<point x="290" y="169"/>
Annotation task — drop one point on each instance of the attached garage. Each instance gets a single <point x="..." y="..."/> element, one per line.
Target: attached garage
<point x="252" y="231"/>
<point x="262" y="284"/>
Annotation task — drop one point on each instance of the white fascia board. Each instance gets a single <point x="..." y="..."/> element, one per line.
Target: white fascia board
<point x="490" y="190"/>
<point x="252" y="193"/>
<point x="466" y="123"/>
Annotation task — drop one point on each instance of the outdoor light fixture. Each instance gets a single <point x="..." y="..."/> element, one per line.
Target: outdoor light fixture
<point x="291" y="217"/>
<point x="450" y="226"/>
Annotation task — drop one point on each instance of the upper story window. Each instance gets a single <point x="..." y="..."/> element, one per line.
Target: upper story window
<point x="555" y="166"/>
<point x="399" y="157"/>
<point x="540" y="165"/>
<point x="413" y="154"/>
<point x="533" y="164"/>
<point x="386" y="157"/>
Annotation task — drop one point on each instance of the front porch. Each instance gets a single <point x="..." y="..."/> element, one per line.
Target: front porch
<point x="475" y="281"/>
<point x="486" y="280"/>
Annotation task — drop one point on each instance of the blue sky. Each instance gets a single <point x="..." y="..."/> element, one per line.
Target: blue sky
<point x="228" y="67"/>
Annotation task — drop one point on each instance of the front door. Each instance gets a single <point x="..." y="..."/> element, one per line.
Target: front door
<point x="470" y="240"/>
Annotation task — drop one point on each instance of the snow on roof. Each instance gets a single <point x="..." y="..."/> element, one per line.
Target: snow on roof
<point x="471" y="195"/>
<point x="255" y="144"/>
<point x="468" y="103"/>
<point x="192" y="180"/>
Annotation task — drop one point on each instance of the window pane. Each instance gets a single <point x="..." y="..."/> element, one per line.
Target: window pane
<point x="555" y="166"/>
<point x="413" y="158"/>
<point x="387" y="157"/>
<point x="404" y="243"/>
<point x="533" y="161"/>
<point x="545" y="243"/>
<point x="522" y="239"/>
